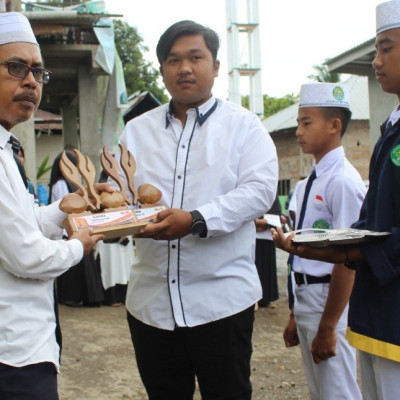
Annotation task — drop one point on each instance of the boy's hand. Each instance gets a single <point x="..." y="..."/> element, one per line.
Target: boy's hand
<point x="323" y="346"/>
<point x="290" y="333"/>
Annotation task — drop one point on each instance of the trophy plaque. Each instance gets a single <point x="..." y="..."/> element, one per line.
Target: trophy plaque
<point x="111" y="214"/>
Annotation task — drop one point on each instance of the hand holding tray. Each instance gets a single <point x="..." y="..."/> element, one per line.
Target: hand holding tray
<point x="316" y="237"/>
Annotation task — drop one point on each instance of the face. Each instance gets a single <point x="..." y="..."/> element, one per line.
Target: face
<point x="189" y="72"/>
<point x="387" y="61"/>
<point x="316" y="135"/>
<point x="19" y="97"/>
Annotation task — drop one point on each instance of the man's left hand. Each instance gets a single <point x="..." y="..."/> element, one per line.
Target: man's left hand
<point x="169" y="224"/>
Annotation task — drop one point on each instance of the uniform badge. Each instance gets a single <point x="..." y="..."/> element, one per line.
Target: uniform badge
<point x="320" y="224"/>
<point x="395" y="155"/>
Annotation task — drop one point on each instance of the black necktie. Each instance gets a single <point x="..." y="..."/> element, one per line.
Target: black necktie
<point x="310" y="181"/>
<point x="15" y="144"/>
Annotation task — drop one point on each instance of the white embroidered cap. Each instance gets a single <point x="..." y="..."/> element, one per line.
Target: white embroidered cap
<point x="387" y="16"/>
<point x="321" y="94"/>
<point x="15" y="27"/>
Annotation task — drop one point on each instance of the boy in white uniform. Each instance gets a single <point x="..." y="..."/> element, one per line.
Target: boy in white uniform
<point x="318" y="319"/>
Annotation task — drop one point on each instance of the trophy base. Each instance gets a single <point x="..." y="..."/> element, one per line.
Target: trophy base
<point x="113" y="222"/>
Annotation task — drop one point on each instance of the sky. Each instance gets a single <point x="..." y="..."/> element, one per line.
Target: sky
<point x="295" y="35"/>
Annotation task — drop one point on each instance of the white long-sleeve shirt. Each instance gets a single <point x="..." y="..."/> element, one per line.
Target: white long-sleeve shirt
<point x="29" y="262"/>
<point x="222" y="163"/>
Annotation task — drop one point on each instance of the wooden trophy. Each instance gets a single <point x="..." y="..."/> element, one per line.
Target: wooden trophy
<point x="111" y="214"/>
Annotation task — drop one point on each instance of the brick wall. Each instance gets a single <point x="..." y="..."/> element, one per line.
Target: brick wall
<point x="295" y="165"/>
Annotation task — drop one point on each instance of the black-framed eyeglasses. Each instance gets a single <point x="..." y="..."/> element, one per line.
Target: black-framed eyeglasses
<point x="19" y="70"/>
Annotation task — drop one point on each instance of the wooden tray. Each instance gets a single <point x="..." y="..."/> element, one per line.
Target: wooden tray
<point x="113" y="223"/>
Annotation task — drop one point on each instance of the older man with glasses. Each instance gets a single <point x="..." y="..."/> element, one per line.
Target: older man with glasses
<point x="29" y="258"/>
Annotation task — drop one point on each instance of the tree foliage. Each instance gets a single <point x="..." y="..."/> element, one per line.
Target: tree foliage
<point x="323" y="75"/>
<point x="273" y="104"/>
<point x="139" y="73"/>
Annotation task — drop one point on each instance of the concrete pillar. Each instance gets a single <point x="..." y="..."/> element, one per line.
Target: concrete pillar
<point x="25" y="132"/>
<point x="70" y="128"/>
<point x="89" y="123"/>
<point x="15" y="5"/>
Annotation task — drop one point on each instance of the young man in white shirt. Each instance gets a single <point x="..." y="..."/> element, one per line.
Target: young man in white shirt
<point x="192" y="292"/>
<point x="29" y="258"/>
<point x="329" y="198"/>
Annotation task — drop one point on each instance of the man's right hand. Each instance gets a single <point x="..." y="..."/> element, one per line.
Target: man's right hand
<point x="87" y="238"/>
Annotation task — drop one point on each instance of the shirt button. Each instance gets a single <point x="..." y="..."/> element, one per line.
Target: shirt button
<point x="179" y="176"/>
<point x="173" y="281"/>
<point x="183" y="146"/>
<point x="173" y="246"/>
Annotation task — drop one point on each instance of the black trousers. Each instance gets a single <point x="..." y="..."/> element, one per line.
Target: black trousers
<point x="217" y="353"/>
<point x="33" y="382"/>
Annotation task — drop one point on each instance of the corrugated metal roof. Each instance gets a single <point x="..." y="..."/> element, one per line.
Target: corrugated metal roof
<point x="359" y="105"/>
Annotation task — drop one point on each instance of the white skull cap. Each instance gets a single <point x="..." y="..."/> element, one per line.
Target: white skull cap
<point x="323" y="94"/>
<point x="15" y="27"/>
<point x="387" y="16"/>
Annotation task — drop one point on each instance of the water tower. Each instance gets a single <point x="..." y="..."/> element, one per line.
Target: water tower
<point x="244" y="61"/>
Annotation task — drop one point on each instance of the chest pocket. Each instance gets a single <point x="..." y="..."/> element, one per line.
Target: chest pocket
<point x="321" y="216"/>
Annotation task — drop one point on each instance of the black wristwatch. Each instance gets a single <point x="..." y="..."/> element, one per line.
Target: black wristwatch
<point x="199" y="226"/>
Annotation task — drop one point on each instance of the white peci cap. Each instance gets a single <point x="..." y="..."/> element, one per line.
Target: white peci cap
<point x="15" y="27"/>
<point x="387" y="16"/>
<point x="323" y="94"/>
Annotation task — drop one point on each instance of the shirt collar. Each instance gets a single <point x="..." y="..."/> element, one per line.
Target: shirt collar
<point x="202" y="112"/>
<point x="328" y="159"/>
<point x="4" y="136"/>
<point x="394" y="116"/>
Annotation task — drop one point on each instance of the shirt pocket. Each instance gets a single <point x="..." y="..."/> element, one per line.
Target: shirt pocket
<point x="321" y="217"/>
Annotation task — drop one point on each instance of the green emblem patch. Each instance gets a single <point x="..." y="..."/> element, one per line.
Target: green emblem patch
<point x="395" y="155"/>
<point x="320" y="224"/>
<point x="338" y="93"/>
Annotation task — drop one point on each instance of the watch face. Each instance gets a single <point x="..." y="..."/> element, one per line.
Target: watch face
<point x="198" y="227"/>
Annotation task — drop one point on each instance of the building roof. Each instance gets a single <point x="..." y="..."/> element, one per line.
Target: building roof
<point x="359" y="105"/>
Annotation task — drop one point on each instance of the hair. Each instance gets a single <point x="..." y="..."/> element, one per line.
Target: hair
<point x="56" y="173"/>
<point x="186" y="28"/>
<point x="344" y="114"/>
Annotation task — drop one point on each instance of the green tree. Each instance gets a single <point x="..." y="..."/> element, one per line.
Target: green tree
<point x="273" y="104"/>
<point x="139" y="74"/>
<point x="323" y="75"/>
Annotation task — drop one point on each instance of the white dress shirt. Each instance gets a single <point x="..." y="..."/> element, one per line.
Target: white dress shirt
<point x="334" y="202"/>
<point x="222" y="163"/>
<point x="29" y="262"/>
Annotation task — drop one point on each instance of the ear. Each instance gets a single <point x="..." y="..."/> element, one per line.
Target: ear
<point x="216" y="67"/>
<point x="336" y="126"/>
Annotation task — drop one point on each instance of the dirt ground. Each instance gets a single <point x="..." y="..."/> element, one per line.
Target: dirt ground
<point x="98" y="359"/>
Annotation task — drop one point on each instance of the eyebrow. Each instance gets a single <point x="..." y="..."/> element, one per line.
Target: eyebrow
<point x="37" y="64"/>
<point x="383" y="41"/>
<point x="302" y="119"/>
<point x="191" y="51"/>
